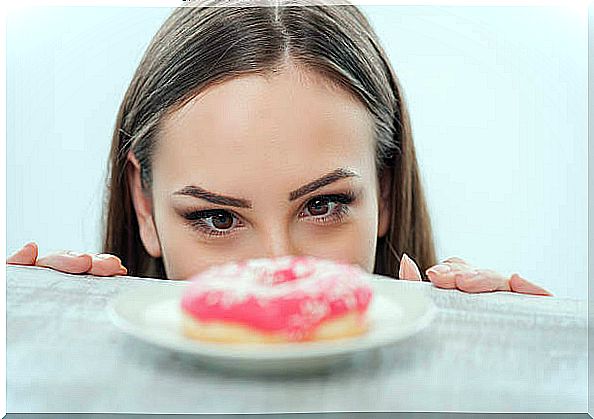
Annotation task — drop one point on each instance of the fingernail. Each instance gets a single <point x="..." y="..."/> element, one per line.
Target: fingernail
<point x="440" y="269"/>
<point x="406" y="259"/>
<point x="408" y="269"/>
<point x="75" y="254"/>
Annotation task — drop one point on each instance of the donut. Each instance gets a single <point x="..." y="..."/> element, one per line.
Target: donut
<point x="279" y="300"/>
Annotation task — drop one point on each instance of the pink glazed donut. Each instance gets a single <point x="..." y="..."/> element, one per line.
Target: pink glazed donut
<point x="287" y="299"/>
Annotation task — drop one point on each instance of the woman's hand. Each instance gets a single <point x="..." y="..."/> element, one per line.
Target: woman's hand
<point x="457" y="273"/>
<point x="71" y="262"/>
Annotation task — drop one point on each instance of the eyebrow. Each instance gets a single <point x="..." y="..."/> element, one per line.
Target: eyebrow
<point x="331" y="177"/>
<point x="198" y="192"/>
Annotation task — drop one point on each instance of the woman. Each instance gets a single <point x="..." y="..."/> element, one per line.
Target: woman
<point x="264" y="131"/>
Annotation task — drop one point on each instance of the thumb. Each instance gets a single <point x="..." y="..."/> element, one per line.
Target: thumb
<point x="27" y="255"/>
<point x="519" y="284"/>
<point x="409" y="269"/>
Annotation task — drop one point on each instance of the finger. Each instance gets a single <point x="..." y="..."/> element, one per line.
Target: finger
<point x="26" y="255"/>
<point x="456" y="260"/>
<point x="442" y="276"/>
<point x="409" y="269"/>
<point x="107" y="265"/>
<point x="519" y="284"/>
<point x="70" y="262"/>
<point x="458" y="264"/>
<point x="484" y="280"/>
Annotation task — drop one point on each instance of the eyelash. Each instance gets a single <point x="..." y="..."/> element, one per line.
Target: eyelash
<point x="198" y="219"/>
<point x="342" y="207"/>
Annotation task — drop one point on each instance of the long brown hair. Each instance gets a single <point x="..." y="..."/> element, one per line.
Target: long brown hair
<point x="197" y="47"/>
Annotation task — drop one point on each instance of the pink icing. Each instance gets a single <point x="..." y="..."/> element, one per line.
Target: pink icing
<point x="288" y="295"/>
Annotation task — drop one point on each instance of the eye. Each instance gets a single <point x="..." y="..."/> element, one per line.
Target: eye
<point x="221" y="221"/>
<point x="319" y="206"/>
<point x="214" y="222"/>
<point x="327" y="209"/>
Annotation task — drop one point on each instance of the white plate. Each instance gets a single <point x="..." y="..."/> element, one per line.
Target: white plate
<point x="152" y="314"/>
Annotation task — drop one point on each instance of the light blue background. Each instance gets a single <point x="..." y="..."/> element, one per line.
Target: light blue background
<point x="497" y="97"/>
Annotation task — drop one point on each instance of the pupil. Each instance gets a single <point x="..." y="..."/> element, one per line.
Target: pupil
<point x="222" y="221"/>
<point x="318" y="207"/>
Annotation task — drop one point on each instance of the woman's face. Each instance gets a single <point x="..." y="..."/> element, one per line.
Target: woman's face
<point x="263" y="167"/>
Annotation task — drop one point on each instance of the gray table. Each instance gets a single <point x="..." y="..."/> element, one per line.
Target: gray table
<point x="489" y="352"/>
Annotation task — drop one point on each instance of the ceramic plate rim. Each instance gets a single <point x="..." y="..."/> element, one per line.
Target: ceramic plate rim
<point x="262" y="352"/>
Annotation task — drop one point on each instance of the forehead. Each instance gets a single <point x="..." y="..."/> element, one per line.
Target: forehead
<point x="285" y="126"/>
